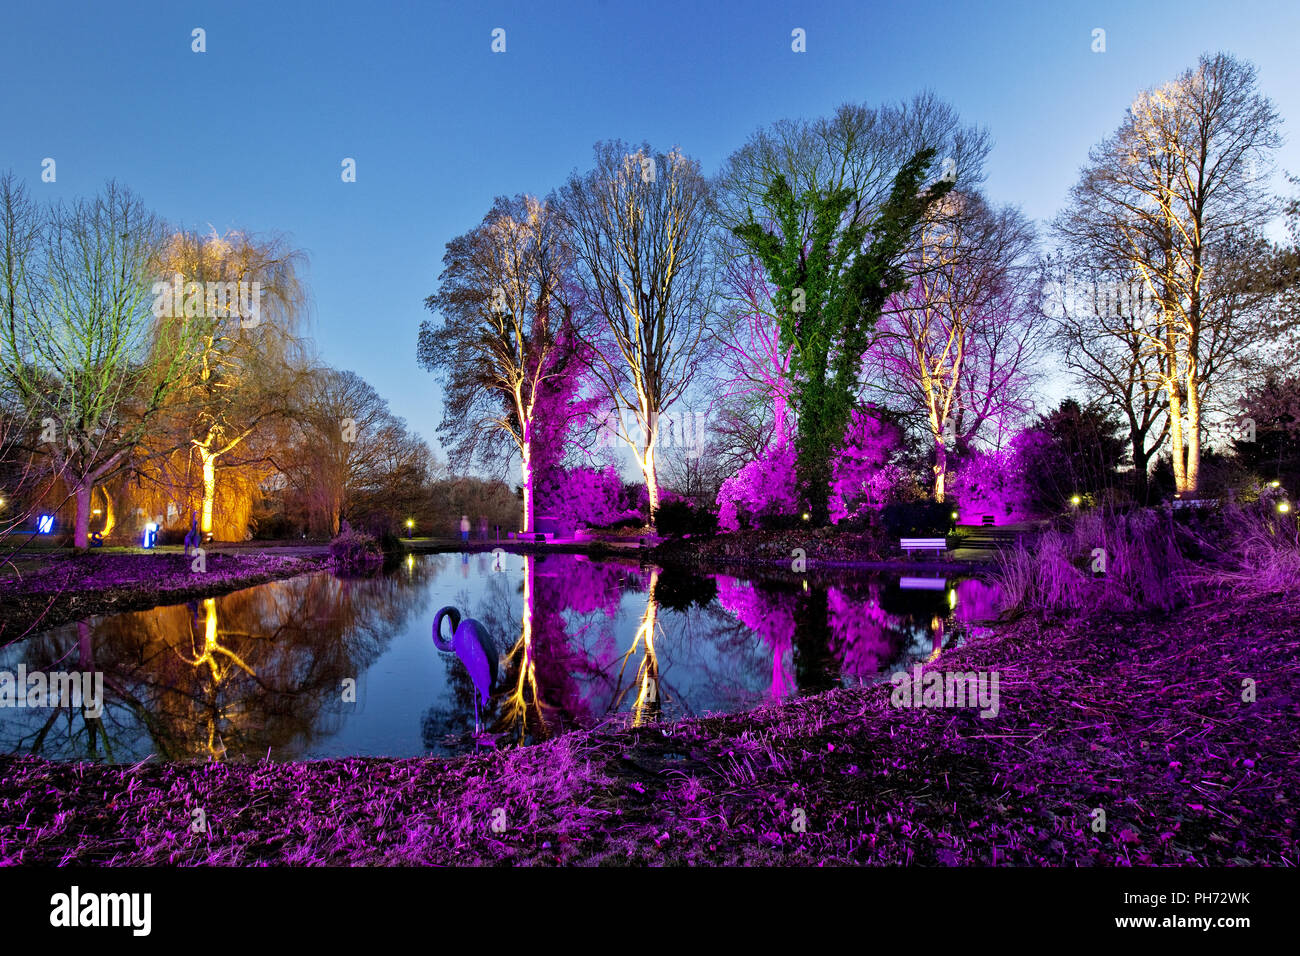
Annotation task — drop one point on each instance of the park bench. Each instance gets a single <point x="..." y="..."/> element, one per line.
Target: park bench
<point x="937" y="545"/>
<point x="987" y="521"/>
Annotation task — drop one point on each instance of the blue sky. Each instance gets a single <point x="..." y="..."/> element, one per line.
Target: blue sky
<point x="251" y="133"/>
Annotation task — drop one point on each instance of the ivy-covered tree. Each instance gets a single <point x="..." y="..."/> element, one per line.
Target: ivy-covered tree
<point x="833" y="266"/>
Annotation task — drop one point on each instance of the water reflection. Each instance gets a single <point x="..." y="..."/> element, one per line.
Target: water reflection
<point x="318" y="666"/>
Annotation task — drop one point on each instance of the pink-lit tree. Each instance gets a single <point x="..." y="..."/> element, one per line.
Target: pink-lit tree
<point x="861" y="473"/>
<point x="756" y="372"/>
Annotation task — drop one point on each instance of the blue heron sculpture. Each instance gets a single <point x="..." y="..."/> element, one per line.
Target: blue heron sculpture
<point x="469" y="642"/>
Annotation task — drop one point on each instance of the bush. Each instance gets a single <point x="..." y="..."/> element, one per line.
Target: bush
<point x="274" y="526"/>
<point x="677" y="518"/>
<point x="919" y="517"/>
<point x="354" y="551"/>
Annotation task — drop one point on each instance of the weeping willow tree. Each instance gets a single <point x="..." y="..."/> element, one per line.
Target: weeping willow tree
<point x="246" y="302"/>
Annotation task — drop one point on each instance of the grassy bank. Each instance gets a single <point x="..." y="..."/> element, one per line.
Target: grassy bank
<point x="1138" y="714"/>
<point x="53" y="589"/>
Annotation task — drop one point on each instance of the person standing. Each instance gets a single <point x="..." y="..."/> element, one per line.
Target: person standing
<point x="482" y="528"/>
<point x="464" y="529"/>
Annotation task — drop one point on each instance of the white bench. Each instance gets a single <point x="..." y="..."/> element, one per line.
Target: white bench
<point x="938" y="545"/>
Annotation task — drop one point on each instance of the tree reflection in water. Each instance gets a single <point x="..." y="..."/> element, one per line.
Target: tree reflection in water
<point x="582" y="642"/>
<point x="257" y="671"/>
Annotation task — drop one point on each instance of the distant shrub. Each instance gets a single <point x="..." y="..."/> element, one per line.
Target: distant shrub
<point x="353" y="551"/>
<point x="274" y="525"/>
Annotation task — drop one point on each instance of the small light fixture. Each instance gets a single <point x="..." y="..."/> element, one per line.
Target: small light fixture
<point x="806" y="516"/>
<point x="1283" y="507"/>
<point x="1275" y="483"/>
<point x="45" y="524"/>
<point x="97" y="512"/>
<point x="1076" y="500"/>
<point x="954" y="516"/>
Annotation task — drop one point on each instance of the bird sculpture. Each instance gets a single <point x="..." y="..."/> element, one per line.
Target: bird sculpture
<point x="469" y="642"/>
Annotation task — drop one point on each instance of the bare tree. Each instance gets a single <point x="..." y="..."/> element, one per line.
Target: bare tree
<point x="1177" y="196"/>
<point x="81" y="348"/>
<point x="1102" y="324"/>
<point x="640" y="230"/>
<point x="954" y="349"/>
<point x="507" y="341"/>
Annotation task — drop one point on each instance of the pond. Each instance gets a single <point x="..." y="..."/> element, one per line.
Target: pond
<point x="320" y="666"/>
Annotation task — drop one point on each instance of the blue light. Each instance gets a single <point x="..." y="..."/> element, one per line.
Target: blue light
<point x="45" y="524"/>
<point x="150" y="534"/>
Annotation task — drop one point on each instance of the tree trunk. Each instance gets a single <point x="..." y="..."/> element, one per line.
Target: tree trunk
<point x="1176" y="438"/>
<point x="1192" y="475"/>
<point x="649" y="470"/>
<point x="526" y="468"/>
<point x="209" y="489"/>
<point x="940" y="467"/>
<point x="1141" y="485"/>
<point x="81" y="537"/>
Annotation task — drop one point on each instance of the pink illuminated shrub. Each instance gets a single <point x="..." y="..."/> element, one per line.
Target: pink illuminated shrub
<point x="862" y="477"/>
<point x="762" y="488"/>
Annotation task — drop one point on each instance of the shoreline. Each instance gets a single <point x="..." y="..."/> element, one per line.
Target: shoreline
<point x="60" y="587"/>
<point x="64" y="587"/>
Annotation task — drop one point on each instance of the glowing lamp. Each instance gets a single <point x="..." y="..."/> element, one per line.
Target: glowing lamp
<point x="806" y="516"/>
<point x="1275" y="484"/>
<point x="45" y="524"/>
<point x="1076" y="500"/>
<point x="954" y="516"/>
<point x="150" y="535"/>
<point x="1283" y="506"/>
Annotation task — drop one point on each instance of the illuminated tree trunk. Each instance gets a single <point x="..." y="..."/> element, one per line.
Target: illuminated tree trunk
<point x="1177" y="450"/>
<point x="527" y="472"/>
<point x="109" y="518"/>
<point x="1192" y="473"/>
<point x="940" y="466"/>
<point x="209" y="488"/>
<point x="649" y="470"/>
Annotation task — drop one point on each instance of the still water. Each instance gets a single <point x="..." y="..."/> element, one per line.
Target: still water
<point x="319" y="666"/>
